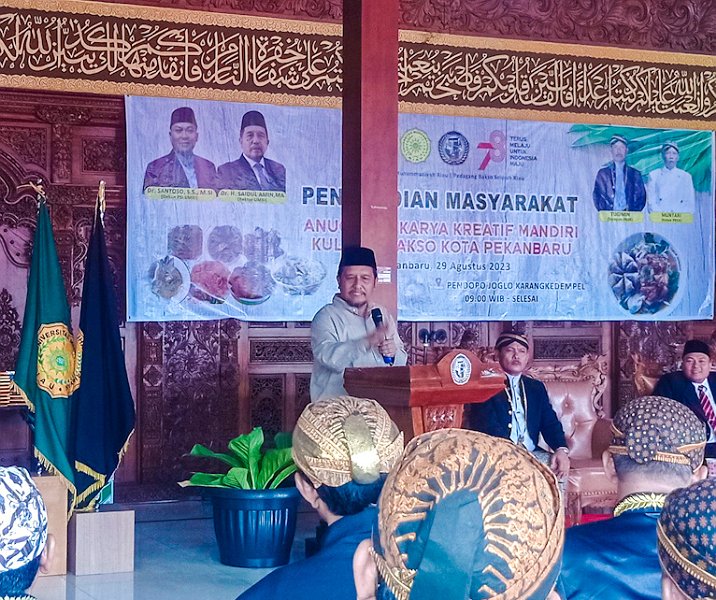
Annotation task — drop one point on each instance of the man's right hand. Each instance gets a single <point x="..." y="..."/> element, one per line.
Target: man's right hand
<point x="388" y="347"/>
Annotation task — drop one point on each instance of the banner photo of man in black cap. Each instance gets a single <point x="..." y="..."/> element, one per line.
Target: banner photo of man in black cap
<point x="181" y="168"/>
<point x="694" y="386"/>
<point x="619" y="186"/>
<point x="253" y="171"/>
<point x="352" y="331"/>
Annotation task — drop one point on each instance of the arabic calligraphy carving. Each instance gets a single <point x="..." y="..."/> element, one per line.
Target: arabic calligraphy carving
<point x="35" y="42"/>
<point x="483" y="77"/>
<point x="110" y="54"/>
<point x="678" y="25"/>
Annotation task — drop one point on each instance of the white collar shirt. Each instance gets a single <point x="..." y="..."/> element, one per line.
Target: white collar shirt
<point x="709" y="394"/>
<point x="518" y="429"/>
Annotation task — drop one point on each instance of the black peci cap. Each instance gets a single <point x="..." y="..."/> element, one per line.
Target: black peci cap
<point x="357" y="256"/>
<point x="696" y="346"/>
<point x="183" y="115"/>
<point x="253" y="117"/>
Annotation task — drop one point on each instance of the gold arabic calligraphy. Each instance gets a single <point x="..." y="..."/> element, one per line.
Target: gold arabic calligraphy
<point x="93" y="47"/>
<point x="518" y="80"/>
<point x="90" y="48"/>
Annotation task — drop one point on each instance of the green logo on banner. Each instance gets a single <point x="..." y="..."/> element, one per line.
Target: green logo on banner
<point x="415" y="145"/>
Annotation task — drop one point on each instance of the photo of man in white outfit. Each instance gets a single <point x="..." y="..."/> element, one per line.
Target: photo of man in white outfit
<point x="670" y="189"/>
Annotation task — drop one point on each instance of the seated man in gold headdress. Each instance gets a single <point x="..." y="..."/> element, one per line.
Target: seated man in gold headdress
<point x="343" y="448"/>
<point x="658" y="445"/>
<point x="464" y="515"/>
<point x="686" y="536"/>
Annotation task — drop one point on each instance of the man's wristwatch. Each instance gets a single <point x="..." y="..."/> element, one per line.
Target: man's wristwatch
<point x="564" y="449"/>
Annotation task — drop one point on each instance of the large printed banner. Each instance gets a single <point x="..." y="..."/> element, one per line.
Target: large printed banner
<point x="234" y="211"/>
<point x="210" y="235"/>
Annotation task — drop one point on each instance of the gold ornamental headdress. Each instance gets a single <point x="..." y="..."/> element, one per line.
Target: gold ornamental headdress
<point x="686" y="535"/>
<point x="654" y="428"/>
<point x="466" y="515"/>
<point x="344" y="439"/>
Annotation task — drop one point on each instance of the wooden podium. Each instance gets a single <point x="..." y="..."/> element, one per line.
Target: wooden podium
<point x="427" y="397"/>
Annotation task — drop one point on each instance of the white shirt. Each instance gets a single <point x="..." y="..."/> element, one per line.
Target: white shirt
<point x="519" y="418"/>
<point x="253" y="163"/>
<point x="670" y="190"/>
<point x="709" y="393"/>
<point x="187" y="163"/>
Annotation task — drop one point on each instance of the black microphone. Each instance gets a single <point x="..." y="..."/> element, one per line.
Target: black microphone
<point x="378" y="320"/>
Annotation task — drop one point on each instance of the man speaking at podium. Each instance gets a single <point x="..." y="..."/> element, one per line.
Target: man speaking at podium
<point x="522" y="412"/>
<point x="351" y="331"/>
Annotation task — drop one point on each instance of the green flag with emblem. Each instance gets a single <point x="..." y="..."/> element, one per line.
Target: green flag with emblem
<point x="47" y="371"/>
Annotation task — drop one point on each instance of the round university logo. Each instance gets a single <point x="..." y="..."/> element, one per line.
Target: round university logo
<point x="460" y="369"/>
<point x="415" y="145"/>
<point x="453" y="148"/>
<point x="58" y="367"/>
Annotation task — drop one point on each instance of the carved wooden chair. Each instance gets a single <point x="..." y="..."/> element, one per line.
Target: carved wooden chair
<point x="577" y="395"/>
<point x="646" y="374"/>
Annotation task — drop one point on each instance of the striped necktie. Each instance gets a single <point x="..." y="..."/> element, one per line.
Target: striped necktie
<point x="708" y="409"/>
<point x="261" y="176"/>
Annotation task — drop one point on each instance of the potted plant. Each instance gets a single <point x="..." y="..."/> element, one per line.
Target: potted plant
<point x="254" y="516"/>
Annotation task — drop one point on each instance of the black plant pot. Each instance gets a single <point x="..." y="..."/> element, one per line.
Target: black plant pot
<point x="254" y="528"/>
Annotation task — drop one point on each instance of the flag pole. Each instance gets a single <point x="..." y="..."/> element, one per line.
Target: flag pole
<point x="101" y="201"/>
<point x="37" y="187"/>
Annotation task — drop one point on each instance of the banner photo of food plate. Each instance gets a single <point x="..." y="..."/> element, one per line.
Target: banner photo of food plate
<point x="234" y="211"/>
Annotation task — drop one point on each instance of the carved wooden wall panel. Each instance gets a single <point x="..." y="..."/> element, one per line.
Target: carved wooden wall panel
<point x="268" y="402"/>
<point x="28" y="143"/>
<point x="566" y="349"/>
<point x="9" y="331"/>
<point x="189" y="392"/>
<point x="316" y="10"/>
<point x="646" y="351"/>
<point x="263" y="350"/>
<point x="38" y="137"/>
<point x="681" y="25"/>
<point x="303" y="396"/>
<point x="678" y="25"/>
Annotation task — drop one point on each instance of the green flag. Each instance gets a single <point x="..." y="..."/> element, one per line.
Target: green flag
<point x="47" y="371"/>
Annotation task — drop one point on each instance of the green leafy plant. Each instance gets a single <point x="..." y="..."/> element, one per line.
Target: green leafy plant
<point x="251" y="466"/>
